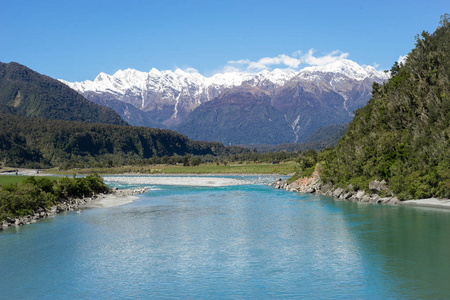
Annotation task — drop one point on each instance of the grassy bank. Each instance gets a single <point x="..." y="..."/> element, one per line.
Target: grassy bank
<point x="283" y="168"/>
<point x="13" y="179"/>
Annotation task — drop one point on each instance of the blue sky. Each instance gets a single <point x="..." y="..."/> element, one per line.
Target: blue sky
<point x="76" y="40"/>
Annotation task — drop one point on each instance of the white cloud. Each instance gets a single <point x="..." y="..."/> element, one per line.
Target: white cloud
<point x="190" y="70"/>
<point x="334" y="56"/>
<point x="284" y="61"/>
<point x="401" y="59"/>
<point x="240" y="62"/>
<point x="280" y="60"/>
<point x="374" y="65"/>
<point x="229" y="69"/>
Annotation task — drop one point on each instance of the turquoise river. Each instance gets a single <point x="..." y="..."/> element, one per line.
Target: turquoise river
<point x="244" y="241"/>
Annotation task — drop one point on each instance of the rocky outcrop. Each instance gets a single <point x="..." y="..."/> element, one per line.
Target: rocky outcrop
<point x="313" y="184"/>
<point x="66" y="205"/>
<point x="378" y="186"/>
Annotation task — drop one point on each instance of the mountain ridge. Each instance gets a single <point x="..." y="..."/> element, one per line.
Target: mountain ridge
<point x="326" y="95"/>
<point x="109" y="83"/>
<point x="29" y="93"/>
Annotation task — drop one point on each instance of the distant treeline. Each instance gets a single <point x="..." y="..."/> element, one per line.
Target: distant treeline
<point x="40" y="143"/>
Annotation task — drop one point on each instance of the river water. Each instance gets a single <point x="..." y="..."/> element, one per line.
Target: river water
<point x="242" y="241"/>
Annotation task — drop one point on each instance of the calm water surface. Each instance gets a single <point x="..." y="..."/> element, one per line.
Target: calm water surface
<point x="247" y="241"/>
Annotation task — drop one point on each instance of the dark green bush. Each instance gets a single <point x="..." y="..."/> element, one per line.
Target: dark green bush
<point x="18" y="200"/>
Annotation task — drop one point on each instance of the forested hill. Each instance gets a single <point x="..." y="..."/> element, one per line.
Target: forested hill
<point x="28" y="93"/>
<point x="403" y="134"/>
<point x="38" y="143"/>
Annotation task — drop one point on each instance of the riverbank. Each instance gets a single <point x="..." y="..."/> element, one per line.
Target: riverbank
<point x="115" y="197"/>
<point x="313" y="184"/>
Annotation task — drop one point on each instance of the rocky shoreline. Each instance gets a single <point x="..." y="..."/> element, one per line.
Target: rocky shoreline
<point x="313" y="184"/>
<point x="67" y="205"/>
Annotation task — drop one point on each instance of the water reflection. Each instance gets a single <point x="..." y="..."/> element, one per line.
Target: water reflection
<point x="410" y="244"/>
<point x="245" y="242"/>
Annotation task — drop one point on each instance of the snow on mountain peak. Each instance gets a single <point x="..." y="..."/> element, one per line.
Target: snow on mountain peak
<point x="191" y="82"/>
<point x="347" y="67"/>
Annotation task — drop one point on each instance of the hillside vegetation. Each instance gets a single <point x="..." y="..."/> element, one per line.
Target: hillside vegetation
<point x="403" y="134"/>
<point x="39" y="143"/>
<point x="322" y="138"/>
<point x="28" y="93"/>
<point x="242" y="115"/>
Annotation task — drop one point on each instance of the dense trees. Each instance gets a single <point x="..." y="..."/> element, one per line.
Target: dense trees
<point x="38" y="143"/>
<point x="403" y="134"/>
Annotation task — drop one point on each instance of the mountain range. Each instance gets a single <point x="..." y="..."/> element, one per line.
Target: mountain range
<point x="269" y="107"/>
<point x="45" y="123"/>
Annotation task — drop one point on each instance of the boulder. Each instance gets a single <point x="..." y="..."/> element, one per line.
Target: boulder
<point x="386" y="200"/>
<point x="326" y="188"/>
<point x="359" y="195"/>
<point x="347" y="195"/>
<point x="394" y="200"/>
<point x="365" y="198"/>
<point x="375" y="198"/>
<point x="337" y="192"/>
<point x="378" y="186"/>
<point x="310" y="190"/>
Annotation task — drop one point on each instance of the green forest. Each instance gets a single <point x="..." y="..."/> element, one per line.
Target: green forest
<point x="402" y="135"/>
<point x="40" y="143"/>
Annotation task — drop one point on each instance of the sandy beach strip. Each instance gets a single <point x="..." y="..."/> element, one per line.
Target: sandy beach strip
<point x="109" y="201"/>
<point x="431" y="202"/>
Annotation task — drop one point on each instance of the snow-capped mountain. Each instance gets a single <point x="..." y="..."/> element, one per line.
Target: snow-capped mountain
<point x="177" y="91"/>
<point x="169" y="97"/>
